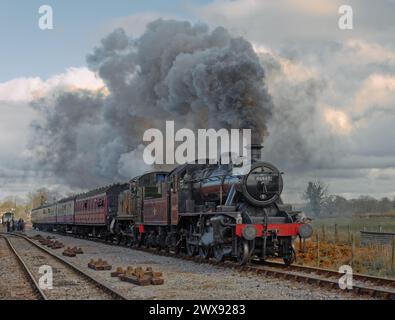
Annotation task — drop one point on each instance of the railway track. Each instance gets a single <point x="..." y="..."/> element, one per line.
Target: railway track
<point x="24" y="285"/>
<point x="363" y="285"/>
<point x="69" y="281"/>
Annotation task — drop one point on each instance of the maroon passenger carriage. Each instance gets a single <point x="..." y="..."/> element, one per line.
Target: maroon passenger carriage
<point x="45" y="217"/>
<point x="88" y="214"/>
<point x="95" y="211"/>
<point x="65" y="214"/>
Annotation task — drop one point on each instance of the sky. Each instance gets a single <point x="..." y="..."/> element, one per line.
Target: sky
<point x="333" y="90"/>
<point x="79" y="25"/>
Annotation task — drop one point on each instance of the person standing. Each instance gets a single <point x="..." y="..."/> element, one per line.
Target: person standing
<point x="8" y="225"/>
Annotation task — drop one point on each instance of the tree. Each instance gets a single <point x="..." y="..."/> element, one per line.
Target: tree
<point x="335" y="205"/>
<point x="14" y="205"/>
<point x="316" y="194"/>
<point x="39" y="197"/>
<point x="384" y="205"/>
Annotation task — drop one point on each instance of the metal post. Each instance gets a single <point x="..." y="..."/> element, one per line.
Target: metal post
<point x="349" y="234"/>
<point x="318" y="249"/>
<point x="336" y="234"/>
<point x="393" y="254"/>
<point x="352" y="250"/>
<point x="300" y="244"/>
<point x="323" y="233"/>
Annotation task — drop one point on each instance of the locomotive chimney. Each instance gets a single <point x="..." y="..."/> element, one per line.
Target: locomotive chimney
<point x="256" y="152"/>
<point x="256" y="148"/>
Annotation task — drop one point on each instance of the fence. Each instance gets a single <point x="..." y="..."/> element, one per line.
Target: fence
<point x="371" y="252"/>
<point x="376" y="238"/>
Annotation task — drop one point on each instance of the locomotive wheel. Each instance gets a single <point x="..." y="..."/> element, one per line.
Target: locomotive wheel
<point x="177" y="249"/>
<point x="159" y="243"/>
<point x="204" y="252"/>
<point x="142" y="241"/>
<point x="290" y="259"/>
<point x="218" y="253"/>
<point x="243" y="252"/>
<point x="177" y="246"/>
<point x="168" y="243"/>
<point x="190" y="242"/>
<point x="134" y="244"/>
<point x="151" y="241"/>
<point x="124" y="240"/>
<point x="191" y="249"/>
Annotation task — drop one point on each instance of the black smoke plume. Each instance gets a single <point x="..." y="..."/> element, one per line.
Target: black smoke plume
<point x="174" y="71"/>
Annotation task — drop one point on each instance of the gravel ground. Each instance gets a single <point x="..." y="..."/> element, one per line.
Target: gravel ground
<point x="14" y="284"/>
<point x="67" y="284"/>
<point x="186" y="279"/>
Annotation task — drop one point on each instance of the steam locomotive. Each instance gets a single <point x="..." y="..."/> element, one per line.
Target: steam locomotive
<point x="197" y="209"/>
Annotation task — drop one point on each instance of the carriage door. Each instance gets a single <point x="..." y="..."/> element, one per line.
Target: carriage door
<point x="138" y="195"/>
<point x="174" y="209"/>
<point x="155" y="199"/>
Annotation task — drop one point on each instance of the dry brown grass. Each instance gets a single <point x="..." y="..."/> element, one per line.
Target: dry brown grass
<point x="373" y="260"/>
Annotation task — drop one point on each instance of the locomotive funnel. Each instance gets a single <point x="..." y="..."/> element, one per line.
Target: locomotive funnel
<point x="256" y="147"/>
<point x="256" y="152"/>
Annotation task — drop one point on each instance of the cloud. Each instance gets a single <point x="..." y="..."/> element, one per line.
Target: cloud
<point x="29" y="89"/>
<point x="361" y="52"/>
<point x="376" y="94"/>
<point x="332" y="93"/>
<point x="338" y="120"/>
<point x="197" y="77"/>
<point x="278" y="22"/>
<point x="18" y="170"/>
<point x="274" y="22"/>
<point x="332" y="90"/>
<point x="135" y="25"/>
<point x="240" y="9"/>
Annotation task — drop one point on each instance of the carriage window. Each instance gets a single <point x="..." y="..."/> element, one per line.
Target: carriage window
<point x="152" y="185"/>
<point x="100" y="203"/>
<point x="133" y="188"/>
<point x="86" y="205"/>
<point x="153" y="192"/>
